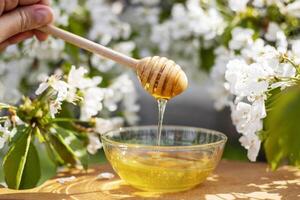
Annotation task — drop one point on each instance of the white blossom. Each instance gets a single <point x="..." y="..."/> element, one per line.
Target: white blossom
<point x="61" y="18"/>
<point x="95" y="98"/>
<point x="105" y="125"/>
<point x="77" y="79"/>
<point x="59" y="86"/>
<point x="221" y="95"/>
<point x="248" y="121"/>
<point x="62" y="11"/>
<point x="258" y="3"/>
<point x="241" y="37"/>
<point x="102" y="64"/>
<point x="254" y="51"/>
<point x="292" y="9"/>
<point x="218" y="89"/>
<point x="180" y="24"/>
<point x="105" y="175"/>
<point x="281" y="42"/>
<point x="148" y="3"/>
<point x="296" y="47"/>
<point x="161" y="36"/>
<point x="207" y="23"/>
<point x="105" y="65"/>
<point x="110" y="27"/>
<point x="247" y="117"/>
<point x="68" y="6"/>
<point x="284" y="70"/>
<point x="55" y="107"/>
<point x="273" y="30"/>
<point x="125" y="90"/>
<point x="269" y="57"/>
<point x="102" y="126"/>
<point x="11" y="52"/>
<point x="142" y="16"/>
<point x="52" y="49"/>
<point x="63" y="180"/>
<point x="295" y="51"/>
<point x="92" y="102"/>
<point x="188" y="21"/>
<point x="276" y="34"/>
<point x="238" y="6"/>
<point x="6" y="133"/>
<point x="111" y="100"/>
<point x="62" y="91"/>
<point x="125" y="47"/>
<point x="94" y="143"/>
<point x="247" y="80"/>
<point x="252" y="143"/>
<point x="11" y="77"/>
<point x="278" y="3"/>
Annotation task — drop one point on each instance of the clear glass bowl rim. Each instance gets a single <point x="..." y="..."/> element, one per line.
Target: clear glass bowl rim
<point x="105" y="139"/>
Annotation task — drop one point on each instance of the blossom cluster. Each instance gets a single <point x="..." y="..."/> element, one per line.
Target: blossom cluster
<point x="101" y="88"/>
<point x="93" y="99"/>
<point x="79" y="89"/>
<point x="252" y="65"/>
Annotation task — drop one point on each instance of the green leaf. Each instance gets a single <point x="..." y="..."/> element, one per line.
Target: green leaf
<point x="48" y="167"/>
<point x="282" y="129"/>
<point x="71" y="148"/>
<point x="61" y="153"/>
<point x="21" y="130"/>
<point x="38" y="134"/>
<point x="273" y="96"/>
<point x="21" y="164"/>
<point x="207" y="58"/>
<point x="74" y="145"/>
<point x="274" y="14"/>
<point x="32" y="169"/>
<point x="52" y="153"/>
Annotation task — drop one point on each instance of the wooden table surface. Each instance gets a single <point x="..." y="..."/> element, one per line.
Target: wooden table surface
<point x="231" y="180"/>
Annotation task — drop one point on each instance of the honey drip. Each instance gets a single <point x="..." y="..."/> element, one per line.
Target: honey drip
<point x="161" y="110"/>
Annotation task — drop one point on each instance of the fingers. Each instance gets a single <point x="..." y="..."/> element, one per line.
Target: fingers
<point x="30" y="2"/>
<point x="7" y="5"/>
<point x="16" y="39"/>
<point x="2" y="6"/>
<point x="23" y="19"/>
<point x="26" y="20"/>
<point x="10" y="4"/>
<point x="41" y="36"/>
<point x="21" y="37"/>
<point x="45" y="2"/>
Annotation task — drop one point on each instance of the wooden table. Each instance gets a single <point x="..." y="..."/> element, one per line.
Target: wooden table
<point x="231" y="180"/>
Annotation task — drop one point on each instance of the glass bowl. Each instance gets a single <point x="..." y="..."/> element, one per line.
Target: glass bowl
<point x="184" y="158"/>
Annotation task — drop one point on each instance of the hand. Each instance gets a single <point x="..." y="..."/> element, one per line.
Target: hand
<point x="20" y="18"/>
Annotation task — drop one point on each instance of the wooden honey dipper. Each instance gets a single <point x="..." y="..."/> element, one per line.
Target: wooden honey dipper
<point x="161" y="77"/>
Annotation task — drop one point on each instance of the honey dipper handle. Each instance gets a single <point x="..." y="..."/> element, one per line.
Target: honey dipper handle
<point x="89" y="45"/>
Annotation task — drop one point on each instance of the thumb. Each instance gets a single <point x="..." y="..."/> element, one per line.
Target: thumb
<point x="23" y="19"/>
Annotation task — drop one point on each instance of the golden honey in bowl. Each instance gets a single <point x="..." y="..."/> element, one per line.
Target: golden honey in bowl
<point x="161" y="172"/>
<point x="183" y="159"/>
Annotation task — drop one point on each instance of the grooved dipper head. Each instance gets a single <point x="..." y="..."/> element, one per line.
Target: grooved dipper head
<point x="161" y="77"/>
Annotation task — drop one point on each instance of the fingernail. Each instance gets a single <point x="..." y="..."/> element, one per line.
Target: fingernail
<point x="41" y="15"/>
